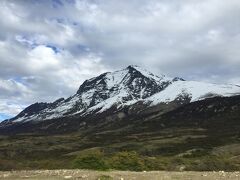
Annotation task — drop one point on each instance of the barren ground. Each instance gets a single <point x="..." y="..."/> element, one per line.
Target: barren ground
<point x="121" y="175"/>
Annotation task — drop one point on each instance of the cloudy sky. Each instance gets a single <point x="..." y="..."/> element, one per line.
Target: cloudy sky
<point x="49" y="47"/>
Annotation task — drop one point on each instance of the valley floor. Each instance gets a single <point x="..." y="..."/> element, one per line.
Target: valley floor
<point x="118" y="175"/>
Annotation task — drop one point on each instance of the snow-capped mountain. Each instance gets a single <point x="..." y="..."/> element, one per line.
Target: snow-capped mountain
<point x="124" y="88"/>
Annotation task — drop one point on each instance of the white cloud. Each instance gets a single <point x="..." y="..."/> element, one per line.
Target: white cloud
<point x="42" y="58"/>
<point x="12" y="96"/>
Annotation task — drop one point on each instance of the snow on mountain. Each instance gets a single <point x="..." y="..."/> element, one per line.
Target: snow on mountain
<point x="194" y="90"/>
<point x="123" y="88"/>
<point x="120" y="87"/>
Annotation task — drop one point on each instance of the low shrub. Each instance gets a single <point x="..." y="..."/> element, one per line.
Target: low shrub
<point x="95" y="161"/>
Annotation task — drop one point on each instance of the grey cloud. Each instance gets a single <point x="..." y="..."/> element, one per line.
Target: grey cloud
<point x="193" y="39"/>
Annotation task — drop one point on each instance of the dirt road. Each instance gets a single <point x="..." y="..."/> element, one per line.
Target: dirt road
<point x="118" y="175"/>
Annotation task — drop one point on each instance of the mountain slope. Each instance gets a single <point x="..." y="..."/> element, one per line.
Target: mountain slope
<point x="202" y="135"/>
<point x="116" y="90"/>
<point x="193" y="90"/>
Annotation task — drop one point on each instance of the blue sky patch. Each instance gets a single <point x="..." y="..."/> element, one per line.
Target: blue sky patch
<point x="4" y="116"/>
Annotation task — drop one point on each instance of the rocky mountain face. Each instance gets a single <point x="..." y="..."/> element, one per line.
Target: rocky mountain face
<point x="122" y="93"/>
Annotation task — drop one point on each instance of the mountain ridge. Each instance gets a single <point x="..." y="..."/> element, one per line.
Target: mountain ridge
<point x="122" y="88"/>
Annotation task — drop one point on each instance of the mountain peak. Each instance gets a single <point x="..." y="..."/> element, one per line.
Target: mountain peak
<point x="123" y="77"/>
<point x="133" y="67"/>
